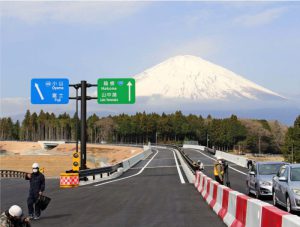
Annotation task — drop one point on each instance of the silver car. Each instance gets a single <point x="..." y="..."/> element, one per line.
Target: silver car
<point x="259" y="178"/>
<point x="286" y="187"/>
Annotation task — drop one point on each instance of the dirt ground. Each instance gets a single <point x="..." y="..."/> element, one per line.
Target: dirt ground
<point x="19" y="147"/>
<point x="266" y="158"/>
<point x="20" y="156"/>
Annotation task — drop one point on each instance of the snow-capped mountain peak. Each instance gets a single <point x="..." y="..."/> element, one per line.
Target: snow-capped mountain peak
<point x="194" y="78"/>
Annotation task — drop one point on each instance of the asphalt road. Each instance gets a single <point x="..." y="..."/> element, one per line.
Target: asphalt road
<point x="237" y="174"/>
<point x="150" y="194"/>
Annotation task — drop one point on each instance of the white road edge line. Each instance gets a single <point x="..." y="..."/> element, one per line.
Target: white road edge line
<point x="178" y="169"/>
<point x="216" y="159"/>
<point x="155" y="167"/>
<point x="138" y="173"/>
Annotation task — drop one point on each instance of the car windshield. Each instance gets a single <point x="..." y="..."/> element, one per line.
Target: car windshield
<point x="295" y="174"/>
<point x="269" y="169"/>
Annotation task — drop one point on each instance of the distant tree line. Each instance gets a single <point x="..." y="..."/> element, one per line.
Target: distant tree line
<point x="42" y="126"/>
<point x="227" y="134"/>
<point x="291" y="148"/>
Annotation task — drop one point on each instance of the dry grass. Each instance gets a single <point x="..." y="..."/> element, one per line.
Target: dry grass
<point x="269" y="158"/>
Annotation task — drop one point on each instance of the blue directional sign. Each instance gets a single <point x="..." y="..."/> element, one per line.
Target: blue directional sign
<point x="50" y="91"/>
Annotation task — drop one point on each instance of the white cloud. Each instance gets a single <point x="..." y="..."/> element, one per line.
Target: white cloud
<point x="261" y="18"/>
<point x="101" y="13"/>
<point x="202" y="47"/>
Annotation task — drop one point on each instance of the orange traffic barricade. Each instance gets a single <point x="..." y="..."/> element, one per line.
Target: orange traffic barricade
<point x="69" y="180"/>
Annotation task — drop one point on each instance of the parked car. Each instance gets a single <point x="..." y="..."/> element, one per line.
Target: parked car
<point x="259" y="178"/>
<point x="286" y="187"/>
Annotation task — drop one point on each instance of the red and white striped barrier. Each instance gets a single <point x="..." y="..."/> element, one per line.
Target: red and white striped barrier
<point x="239" y="210"/>
<point x="230" y="216"/>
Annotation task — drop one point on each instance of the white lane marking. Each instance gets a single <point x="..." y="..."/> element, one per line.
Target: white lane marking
<point x="155" y="167"/>
<point x="130" y="175"/>
<point x="178" y="169"/>
<point x="216" y="159"/>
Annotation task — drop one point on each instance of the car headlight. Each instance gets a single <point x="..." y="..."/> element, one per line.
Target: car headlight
<point x="296" y="191"/>
<point x="265" y="183"/>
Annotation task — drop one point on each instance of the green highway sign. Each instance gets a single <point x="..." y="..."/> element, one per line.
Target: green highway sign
<point x="116" y="91"/>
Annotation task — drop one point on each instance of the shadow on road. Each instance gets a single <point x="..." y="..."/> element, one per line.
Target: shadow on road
<point x="56" y="216"/>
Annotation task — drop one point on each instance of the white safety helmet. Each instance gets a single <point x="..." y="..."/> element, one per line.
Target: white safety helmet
<point x="219" y="159"/>
<point x="35" y="165"/>
<point x="15" y="211"/>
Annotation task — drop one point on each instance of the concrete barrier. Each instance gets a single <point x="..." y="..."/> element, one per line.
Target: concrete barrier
<point x="188" y="173"/>
<point x="239" y="210"/>
<point x="218" y="205"/>
<point x="254" y="211"/>
<point x="197" y="147"/>
<point x="225" y="202"/>
<point x="230" y="216"/>
<point x="128" y="163"/>
<point x="241" y="161"/>
<point x="214" y="193"/>
<point x="290" y="221"/>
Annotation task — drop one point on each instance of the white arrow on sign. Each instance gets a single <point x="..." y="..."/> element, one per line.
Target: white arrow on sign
<point x="39" y="91"/>
<point x="129" y="84"/>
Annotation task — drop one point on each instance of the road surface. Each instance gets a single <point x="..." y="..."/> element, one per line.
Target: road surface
<point x="150" y="194"/>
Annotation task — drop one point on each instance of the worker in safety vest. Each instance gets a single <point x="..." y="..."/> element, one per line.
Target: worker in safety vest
<point x="219" y="171"/>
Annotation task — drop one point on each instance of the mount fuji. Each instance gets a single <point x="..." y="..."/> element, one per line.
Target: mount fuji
<point x="195" y="79"/>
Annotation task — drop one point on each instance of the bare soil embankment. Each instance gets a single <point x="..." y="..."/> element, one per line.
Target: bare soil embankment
<point x="20" y="156"/>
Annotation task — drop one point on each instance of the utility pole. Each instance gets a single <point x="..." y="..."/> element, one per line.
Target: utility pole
<point x="156" y="138"/>
<point x="259" y="151"/>
<point x="292" y="152"/>
<point x="207" y="140"/>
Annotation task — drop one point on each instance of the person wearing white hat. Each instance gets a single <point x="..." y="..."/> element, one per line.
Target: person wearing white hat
<point x="13" y="217"/>
<point x="37" y="187"/>
<point x="219" y="171"/>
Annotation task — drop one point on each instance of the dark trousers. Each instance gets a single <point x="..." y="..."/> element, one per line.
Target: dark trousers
<point x="217" y="178"/>
<point x="31" y="201"/>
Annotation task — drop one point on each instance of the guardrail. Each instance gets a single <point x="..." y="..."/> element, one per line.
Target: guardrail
<point x="104" y="172"/>
<point x="12" y="174"/>
<point x="193" y="166"/>
<point x="83" y="174"/>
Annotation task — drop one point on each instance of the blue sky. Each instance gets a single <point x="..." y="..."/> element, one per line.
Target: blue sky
<point x="90" y="40"/>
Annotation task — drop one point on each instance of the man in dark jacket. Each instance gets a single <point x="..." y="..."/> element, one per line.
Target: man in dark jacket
<point x="37" y="187"/>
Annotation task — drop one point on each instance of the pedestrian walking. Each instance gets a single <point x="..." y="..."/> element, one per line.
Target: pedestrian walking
<point x="37" y="187"/>
<point x="13" y="217"/>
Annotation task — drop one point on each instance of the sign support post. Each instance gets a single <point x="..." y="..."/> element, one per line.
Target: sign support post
<point x="83" y="126"/>
<point x="110" y="91"/>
